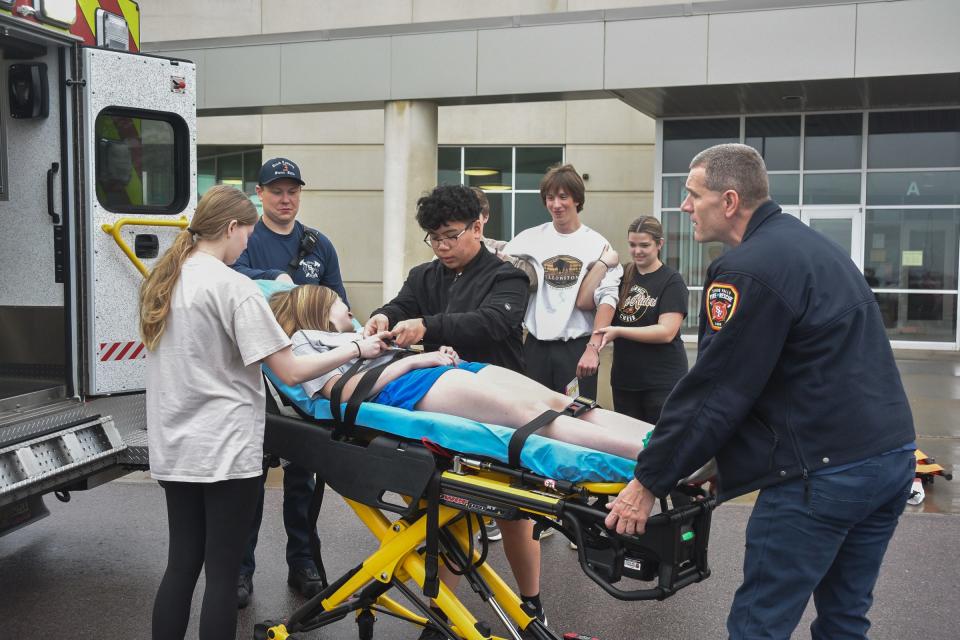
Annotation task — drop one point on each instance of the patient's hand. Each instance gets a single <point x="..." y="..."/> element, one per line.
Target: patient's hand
<point x="284" y="277"/>
<point x="430" y="359"/>
<point x="450" y="352"/>
<point x="376" y="324"/>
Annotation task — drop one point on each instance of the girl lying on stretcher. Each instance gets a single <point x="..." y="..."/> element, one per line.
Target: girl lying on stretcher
<point x="438" y="381"/>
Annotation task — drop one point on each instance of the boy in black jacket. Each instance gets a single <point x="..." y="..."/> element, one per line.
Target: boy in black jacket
<point x="472" y="301"/>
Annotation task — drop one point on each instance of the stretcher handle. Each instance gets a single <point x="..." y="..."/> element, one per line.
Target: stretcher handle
<point x="656" y="593"/>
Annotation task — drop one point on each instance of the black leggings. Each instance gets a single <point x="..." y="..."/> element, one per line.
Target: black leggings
<point x="642" y="405"/>
<point x="209" y="524"/>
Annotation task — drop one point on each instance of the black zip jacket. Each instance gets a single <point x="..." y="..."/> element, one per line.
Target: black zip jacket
<point x="794" y="371"/>
<point x="478" y="313"/>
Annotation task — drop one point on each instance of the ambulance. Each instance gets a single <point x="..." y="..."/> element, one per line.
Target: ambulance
<point x="97" y="176"/>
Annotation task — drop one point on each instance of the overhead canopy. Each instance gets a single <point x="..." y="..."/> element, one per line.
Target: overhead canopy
<point x="729" y="56"/>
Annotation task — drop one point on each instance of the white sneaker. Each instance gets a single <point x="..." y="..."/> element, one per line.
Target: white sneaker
<point x="493" y="531"/>
<point x="916" y="492"/>
<point x="546" y="533"/>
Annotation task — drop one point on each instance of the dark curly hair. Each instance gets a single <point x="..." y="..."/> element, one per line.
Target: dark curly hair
<point x="447" y="203"/>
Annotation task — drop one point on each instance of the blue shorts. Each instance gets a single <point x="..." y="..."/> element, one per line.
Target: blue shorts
<point x="407" y="390"/>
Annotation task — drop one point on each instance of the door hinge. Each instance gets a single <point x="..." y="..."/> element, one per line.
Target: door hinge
<point x="80" y="83"/>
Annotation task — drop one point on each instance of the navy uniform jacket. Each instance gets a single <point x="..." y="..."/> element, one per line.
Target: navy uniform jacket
<point x="478" y="313"/>
<point x="794" y="371"/>
<point x="268" y="254"/>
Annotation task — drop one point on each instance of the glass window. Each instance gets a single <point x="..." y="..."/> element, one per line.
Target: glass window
<point x="831" y="188"/>
<point x="674" y="192"/>
<point x="785" y="187"/>
<point x="913" y="187"/>
<point x="142" y="161"/>
<point x="911" y="249"/>
<point x="498" y="226"/>
<point x="777" y="138"/>
<point x="533" y="162"/>
<point x="489" y="168"/>
<point x="840" y="230"/>
<point x="505" y="185"/>
<point x="833" y="141"/>
<point x="924" y="317"/>
<point x="251" y="170"/>
<point x="683" y="139"/>
<point x="448" y="165"/>
<point x="530" y="211"/>
<point x="206" y="174"/>
<point x="914" y="139"/>
<point x="682" y="252"/>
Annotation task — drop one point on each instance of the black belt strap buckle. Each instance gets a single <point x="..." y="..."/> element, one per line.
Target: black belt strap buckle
<point x="580" y="405"/>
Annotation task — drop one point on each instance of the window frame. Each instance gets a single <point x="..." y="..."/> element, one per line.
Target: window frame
<point x="181" y="161"/>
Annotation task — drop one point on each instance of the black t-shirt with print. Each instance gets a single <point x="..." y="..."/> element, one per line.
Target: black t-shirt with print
<point x="643" y="297"/>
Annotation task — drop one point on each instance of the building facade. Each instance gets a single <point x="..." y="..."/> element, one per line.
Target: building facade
<point x="854" y="105"/>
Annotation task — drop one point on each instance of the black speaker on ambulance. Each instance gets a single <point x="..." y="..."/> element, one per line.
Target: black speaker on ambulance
<point x="29" y="95"/>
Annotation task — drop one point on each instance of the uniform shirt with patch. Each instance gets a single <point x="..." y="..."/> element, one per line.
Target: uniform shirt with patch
<point x="561" y="261"/>
<point x="205" y="398"/>
<point x="268" y="255"/>
<point x="639" y="366"/>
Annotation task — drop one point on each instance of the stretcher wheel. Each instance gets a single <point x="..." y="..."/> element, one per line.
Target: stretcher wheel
<point x="365" y="622"/>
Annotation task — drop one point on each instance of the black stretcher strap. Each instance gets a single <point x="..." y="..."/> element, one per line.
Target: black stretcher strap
<point x="431" y="577"/>
<point x="313" y="514"/>
<point x="575" y="409"/>
<point x="337" y="391"/>
<point x="519" y="437"/>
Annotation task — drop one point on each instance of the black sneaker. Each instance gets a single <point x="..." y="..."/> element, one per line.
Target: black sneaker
<point x="244" y="590"/>
<point x="431" y="632"/>
<point x="306" y="580"/>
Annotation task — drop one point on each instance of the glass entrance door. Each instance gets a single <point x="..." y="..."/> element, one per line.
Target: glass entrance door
<point x="843" y="226"/>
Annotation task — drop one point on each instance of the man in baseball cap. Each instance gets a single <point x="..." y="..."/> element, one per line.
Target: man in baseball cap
<point x="282" y="248"/>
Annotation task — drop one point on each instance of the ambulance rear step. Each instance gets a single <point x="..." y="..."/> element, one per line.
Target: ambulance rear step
<point x="45" y="462"/>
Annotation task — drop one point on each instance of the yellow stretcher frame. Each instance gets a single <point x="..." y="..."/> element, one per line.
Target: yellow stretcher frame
<point x="113" y="230"/>
<point x="675" y="544"/>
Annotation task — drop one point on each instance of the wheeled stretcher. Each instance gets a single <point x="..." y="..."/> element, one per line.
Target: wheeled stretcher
<point x="446" y="490"/>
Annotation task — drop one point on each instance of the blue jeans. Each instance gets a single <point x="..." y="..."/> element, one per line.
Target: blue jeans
<point x="827" y="539"/>
<point x="298" y="484"/>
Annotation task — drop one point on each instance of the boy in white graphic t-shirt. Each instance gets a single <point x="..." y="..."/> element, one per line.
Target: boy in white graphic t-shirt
<point x="560" y="322"/>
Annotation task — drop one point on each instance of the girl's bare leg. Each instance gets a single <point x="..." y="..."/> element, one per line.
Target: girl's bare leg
<point x="500" y="396"/>
<point x="523" y="554"/>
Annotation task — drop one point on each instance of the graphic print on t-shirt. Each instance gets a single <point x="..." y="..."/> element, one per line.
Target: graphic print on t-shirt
<point x="562" y="271"/>
<point x="635" y="304"/>
<point x="311" y="269"/>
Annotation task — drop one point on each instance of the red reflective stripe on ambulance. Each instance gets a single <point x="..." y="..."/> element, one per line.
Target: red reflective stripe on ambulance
<point x="127" y="351"/>
<point x="112" y="347"/>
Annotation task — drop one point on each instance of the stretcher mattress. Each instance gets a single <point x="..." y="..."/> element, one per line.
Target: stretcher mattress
<point x="543" y="456"/>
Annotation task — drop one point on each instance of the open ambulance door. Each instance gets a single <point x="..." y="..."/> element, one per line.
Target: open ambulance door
<point x="140" y="185"/>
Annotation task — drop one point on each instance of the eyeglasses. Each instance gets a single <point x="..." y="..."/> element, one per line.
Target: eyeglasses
<point x="448" y="240"/>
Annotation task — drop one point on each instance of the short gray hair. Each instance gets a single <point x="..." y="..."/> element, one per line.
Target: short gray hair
<point x="736" y="167"/>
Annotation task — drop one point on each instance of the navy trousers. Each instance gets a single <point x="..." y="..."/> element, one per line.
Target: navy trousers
<point x="826" y="538"/>
<point x="298" y="484"/>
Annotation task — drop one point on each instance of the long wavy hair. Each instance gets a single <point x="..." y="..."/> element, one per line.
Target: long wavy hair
<point x="219" y="206"/>
<point x="304" y="307"/>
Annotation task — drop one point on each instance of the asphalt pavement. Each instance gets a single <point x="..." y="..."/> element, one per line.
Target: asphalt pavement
<point x="91" y="569"/>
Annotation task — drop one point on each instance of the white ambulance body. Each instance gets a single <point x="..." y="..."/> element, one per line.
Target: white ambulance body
<point x="97" y="175"/>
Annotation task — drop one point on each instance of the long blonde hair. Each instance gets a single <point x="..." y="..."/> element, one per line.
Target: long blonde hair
<point x="304" y="307"/>
<point x="219" y="206"/>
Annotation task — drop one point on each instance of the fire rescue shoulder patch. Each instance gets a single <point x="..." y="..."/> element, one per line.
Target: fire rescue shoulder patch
<point x="722" y="300"/>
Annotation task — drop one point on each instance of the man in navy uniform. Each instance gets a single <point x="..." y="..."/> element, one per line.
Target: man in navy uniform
<point x="795" y="392"/>
<point x="282" y="248"/>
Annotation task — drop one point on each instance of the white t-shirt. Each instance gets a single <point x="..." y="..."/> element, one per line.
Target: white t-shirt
<point x="205" y="398"/>
<point x="561" y="261"/>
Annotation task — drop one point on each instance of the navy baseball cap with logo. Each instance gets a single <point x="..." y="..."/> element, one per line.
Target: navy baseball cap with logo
<point x="278" y="169"/>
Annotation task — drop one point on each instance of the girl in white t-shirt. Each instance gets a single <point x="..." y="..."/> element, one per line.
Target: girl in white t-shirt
<point x="207" y="329"/>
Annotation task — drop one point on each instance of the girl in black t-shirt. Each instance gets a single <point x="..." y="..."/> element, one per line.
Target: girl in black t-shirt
<point x="648" y="353"/>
